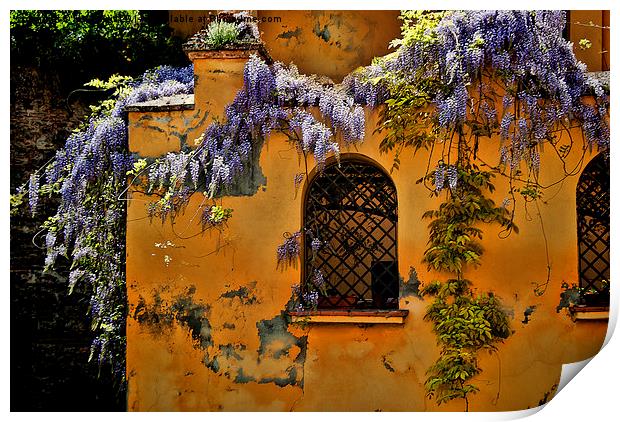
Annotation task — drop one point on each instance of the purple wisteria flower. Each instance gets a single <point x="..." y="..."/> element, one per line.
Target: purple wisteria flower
<point x="299" y="178"/>
<point x="88" y="228"/>
<point x="288" y="252"/>
<point x="318" y="280"/>
<point x="33" y="193"/>
<point x="316" y="244"/>
<point x="440" y="175"/>
<point x="452" y="175"/>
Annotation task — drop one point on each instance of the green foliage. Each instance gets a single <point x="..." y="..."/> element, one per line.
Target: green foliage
<point x="138" y="167"/>
<point x="405" y="119"/>
<point x="418" y="26"/>
<point x="219" y="215"/>
<point x="80" y="44"/>
<point x="441" y="106"/>
<point x="17" y="200"/>
<point x="454" y="230"/>
<point x="585" y="44"/>
<point x="464" y="324"/>
<point x="221" y="33"/>
<point x="120" y="86"/>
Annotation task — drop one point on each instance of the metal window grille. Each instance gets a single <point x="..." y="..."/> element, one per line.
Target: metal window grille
<point x="350" y="223"/>
<point x="593" y="224"/>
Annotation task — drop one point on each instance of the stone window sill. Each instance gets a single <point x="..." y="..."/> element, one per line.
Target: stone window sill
<point x="350" y="316"/>
<point x="589" y="313"/>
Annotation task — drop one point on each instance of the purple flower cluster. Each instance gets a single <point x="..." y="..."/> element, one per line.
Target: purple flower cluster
<point x="299" y="178"/>
<point x="440" y="176"/>
<point x="311" y="299"/>
<point x="452" y="175"/>
<point x="273" y="98"/>
<point x="443" y="172"/>
<point x="522" y="50"/>
<point x="318" y="279"/>
<point x="316" y="137"/>
<point x="366" y="87"/>
<point x="247" y="27"/>
<point x="335" y="103"/>
<point x="288" y="252"/>
<point x="316" y="244"/>
<point x="33" y="192"/>
<point x="183" y="75"/>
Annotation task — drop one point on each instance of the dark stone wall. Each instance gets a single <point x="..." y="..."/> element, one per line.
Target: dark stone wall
<point x="50" y="333"/>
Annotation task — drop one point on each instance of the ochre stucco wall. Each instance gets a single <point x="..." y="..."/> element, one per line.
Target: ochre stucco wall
<point x="343" y="39"/>
<point x="207" y="329"/>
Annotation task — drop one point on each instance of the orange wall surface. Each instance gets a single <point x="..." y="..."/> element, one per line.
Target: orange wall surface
<point x="207" y="328"/>
<point x="342" y="39"/>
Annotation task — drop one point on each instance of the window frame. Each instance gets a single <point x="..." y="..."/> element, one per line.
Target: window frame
<point x="379" y="314"/>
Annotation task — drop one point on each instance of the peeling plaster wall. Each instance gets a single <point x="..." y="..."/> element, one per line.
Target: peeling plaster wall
<point x="207" y="328"/>
<point x="344" y="39"/>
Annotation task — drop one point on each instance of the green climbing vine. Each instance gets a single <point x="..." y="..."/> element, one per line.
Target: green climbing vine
<point x="465" y="323"/>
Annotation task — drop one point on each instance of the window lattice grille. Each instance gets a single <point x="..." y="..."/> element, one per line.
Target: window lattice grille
<point x="351" y="210"/>
<point x="593" y="224"/>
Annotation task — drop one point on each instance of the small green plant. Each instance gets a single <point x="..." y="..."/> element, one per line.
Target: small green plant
<point x="574" y="295"/>
<point x="219" y="215"/>
<point x="465" y="324"/>
<point x="585" y="43"/>
<point x="220" y="33"/>
<point x="604" y="288"/>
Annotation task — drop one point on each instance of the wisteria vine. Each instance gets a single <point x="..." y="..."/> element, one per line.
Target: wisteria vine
<point x="89" y="175"/>
<point x="485" y="73"/>
<point x="456" y="78"/>
<point x="273" y="98"/>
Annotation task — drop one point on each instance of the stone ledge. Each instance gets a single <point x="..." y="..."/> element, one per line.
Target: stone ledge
<point x="350" y="316"/>
<point x="172" y="103"/>
<point x="236" y="51"/>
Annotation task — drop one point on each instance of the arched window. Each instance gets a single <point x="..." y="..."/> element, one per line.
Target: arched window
<point x="350" y="253"/>
<point x="593" y="229"/>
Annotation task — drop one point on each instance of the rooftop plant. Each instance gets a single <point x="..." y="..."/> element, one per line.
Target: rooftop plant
<point x="227" y="30"/>
<point x="220" y="33"/>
